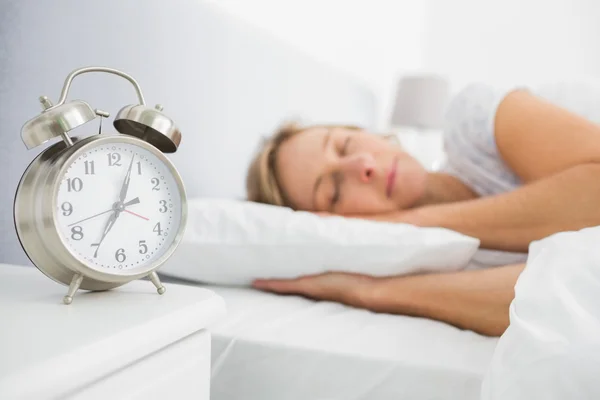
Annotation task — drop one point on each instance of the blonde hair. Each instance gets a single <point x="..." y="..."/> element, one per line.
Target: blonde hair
<point x="262" y="180"/>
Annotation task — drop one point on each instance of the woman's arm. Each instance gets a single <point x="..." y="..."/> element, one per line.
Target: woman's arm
<point x="568" y="200"/>
<point x="537" y="139"/>
<point x="477" y="300"/>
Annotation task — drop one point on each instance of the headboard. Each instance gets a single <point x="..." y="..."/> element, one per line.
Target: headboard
<point x="224" y="82"/>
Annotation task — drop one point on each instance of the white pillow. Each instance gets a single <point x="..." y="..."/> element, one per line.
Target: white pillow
<point x="234" y="242"/>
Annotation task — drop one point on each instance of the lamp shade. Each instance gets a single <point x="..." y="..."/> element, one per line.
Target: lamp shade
<point x="420" y="101"/>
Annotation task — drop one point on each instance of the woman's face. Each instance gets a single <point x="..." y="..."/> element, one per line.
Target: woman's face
<point x="348" y="171"/>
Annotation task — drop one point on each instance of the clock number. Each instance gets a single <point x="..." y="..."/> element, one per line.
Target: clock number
<point x="75" y="184"/>
<point x="163" y="206"/>
<point x="139" y="164"/>
<point x="76" y="233"/>
<point x="143" y="247"/>
<point x="67" y="208"/>
<point x="120" y="255"/>
<point x="114" y="160"/>
<point x="97" y="246"/>
<point x="155" y="182"/>
<point x="157" y="229"/>
<point x="89" y="168"/>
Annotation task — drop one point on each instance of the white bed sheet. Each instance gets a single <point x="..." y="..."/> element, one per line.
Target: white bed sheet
<point x="291" y="348"/>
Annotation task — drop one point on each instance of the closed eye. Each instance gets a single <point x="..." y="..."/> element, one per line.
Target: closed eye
<point x="337" y="176"/>
<point x="345" y="146"/>
<point x="337" y="180"/>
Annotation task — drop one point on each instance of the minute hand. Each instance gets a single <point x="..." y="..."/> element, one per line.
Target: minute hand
<point x="125" y="185"/>
<point x="107" y="228"/>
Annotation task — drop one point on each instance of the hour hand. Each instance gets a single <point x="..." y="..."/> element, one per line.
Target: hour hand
<point x="132" y="202"/>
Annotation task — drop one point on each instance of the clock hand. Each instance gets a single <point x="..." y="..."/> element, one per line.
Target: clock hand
<point x="137" y="215"/>
<point x="93" y="216"/>
<point x="129" y="203"/>
<point x="107" y="228"/>
<point x="132" y="202"/>
<point x="117" y="207"/>
<point x="125" y="185"/>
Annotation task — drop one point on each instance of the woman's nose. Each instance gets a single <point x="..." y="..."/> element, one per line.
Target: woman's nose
<point x="362" y="166"/>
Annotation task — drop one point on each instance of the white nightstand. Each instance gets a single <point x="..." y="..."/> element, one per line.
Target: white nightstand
<point x="128" y="343"/>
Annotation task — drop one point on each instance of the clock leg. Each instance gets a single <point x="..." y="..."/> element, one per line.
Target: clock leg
<point x="75" y="282"/>
<point x="159" y="286"/>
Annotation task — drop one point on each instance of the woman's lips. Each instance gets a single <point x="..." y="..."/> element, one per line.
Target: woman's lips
<point x="391" y="178"/>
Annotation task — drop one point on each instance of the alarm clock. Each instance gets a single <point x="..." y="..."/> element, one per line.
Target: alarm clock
<point x="96" y="212"/>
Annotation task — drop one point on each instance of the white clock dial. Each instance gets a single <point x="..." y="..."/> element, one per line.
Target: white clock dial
<point x="118" y="207"/>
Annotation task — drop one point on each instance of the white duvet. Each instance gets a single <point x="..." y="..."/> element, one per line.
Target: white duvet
<point x="551" y="349"/>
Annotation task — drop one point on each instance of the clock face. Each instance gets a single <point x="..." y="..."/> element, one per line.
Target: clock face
<point x="118" y="207"/>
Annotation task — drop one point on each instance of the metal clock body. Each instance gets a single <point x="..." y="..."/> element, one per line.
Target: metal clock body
<point x="97" y="212"/>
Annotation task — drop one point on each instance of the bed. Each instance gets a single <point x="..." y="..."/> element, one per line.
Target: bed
<point x="226" y="82"/>
<point x="292" y="348"/>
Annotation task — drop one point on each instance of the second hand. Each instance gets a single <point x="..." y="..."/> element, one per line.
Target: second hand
<point x="137" y="215"/>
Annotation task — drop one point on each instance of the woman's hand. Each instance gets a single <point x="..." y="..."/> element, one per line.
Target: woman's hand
<point x="342" y="287"/>
<point x="471" y="299"/>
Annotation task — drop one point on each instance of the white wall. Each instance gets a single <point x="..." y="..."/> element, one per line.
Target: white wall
<point x="373" y="40"/>
<point x="503" y="42"/>
<point x="513" y="41"/>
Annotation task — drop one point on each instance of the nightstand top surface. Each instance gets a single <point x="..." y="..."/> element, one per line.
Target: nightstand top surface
<point x="47" y="342"/>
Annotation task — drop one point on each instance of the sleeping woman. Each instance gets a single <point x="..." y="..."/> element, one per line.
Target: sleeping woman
<point x="519" y="168"/>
